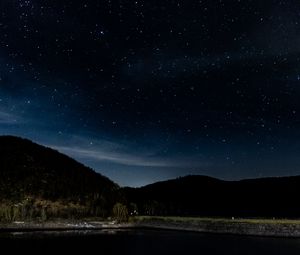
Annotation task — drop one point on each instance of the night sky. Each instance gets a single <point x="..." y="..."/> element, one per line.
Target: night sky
<point x="143" y="91"/>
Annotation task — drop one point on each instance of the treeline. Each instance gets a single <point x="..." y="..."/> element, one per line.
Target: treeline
<point x="31" y="210"/>
<point x="34" y="211"/>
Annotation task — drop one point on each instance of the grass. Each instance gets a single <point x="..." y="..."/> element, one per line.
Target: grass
<point x="218" y="220"/>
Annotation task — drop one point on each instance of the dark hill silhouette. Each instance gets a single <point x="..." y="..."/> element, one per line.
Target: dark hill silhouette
<point x="206" y="196"/>
<point x="38" y="180"/>
<point x="31" y="170"/>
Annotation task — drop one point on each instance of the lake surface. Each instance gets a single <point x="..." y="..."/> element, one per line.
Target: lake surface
<point x="144" y="242"/>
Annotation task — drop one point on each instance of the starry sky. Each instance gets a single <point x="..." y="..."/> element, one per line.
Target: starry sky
<point x="143" y="91"/>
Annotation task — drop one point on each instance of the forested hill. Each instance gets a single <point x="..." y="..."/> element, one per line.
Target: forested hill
<point x="34" y="172"/>
<point x="205" y="196"/>
<point x="39" y="182"/>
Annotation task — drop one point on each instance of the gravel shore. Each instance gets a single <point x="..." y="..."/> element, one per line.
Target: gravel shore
<point x="238" y="227"/>
<point x="274" y="229"/>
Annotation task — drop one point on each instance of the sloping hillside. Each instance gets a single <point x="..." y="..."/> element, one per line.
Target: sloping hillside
<point x="29" y="171"/>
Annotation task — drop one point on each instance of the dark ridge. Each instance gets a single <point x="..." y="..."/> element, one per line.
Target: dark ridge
<point x="43" y="174"/>
<point x="29" y="169"/>
<point x="206" y="196"/>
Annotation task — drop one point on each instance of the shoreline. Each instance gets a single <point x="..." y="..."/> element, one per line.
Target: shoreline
<point x="62" y="226"/>
<point x="262" y="228"/>
<point x="246" y="227"/>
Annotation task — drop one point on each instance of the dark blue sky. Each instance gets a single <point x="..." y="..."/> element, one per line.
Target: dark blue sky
<point x="149" y="90"/>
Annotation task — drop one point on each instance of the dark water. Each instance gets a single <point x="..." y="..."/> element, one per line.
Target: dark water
<point x="143" y="242"/>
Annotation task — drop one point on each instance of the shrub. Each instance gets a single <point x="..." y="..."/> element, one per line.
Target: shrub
<point x="120" y="212"/>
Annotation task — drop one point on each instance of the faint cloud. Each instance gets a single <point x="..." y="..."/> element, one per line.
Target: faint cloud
<point x="114" y="157"/>
<point x="8" y="118"/>
<point x="105" y="151"/>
